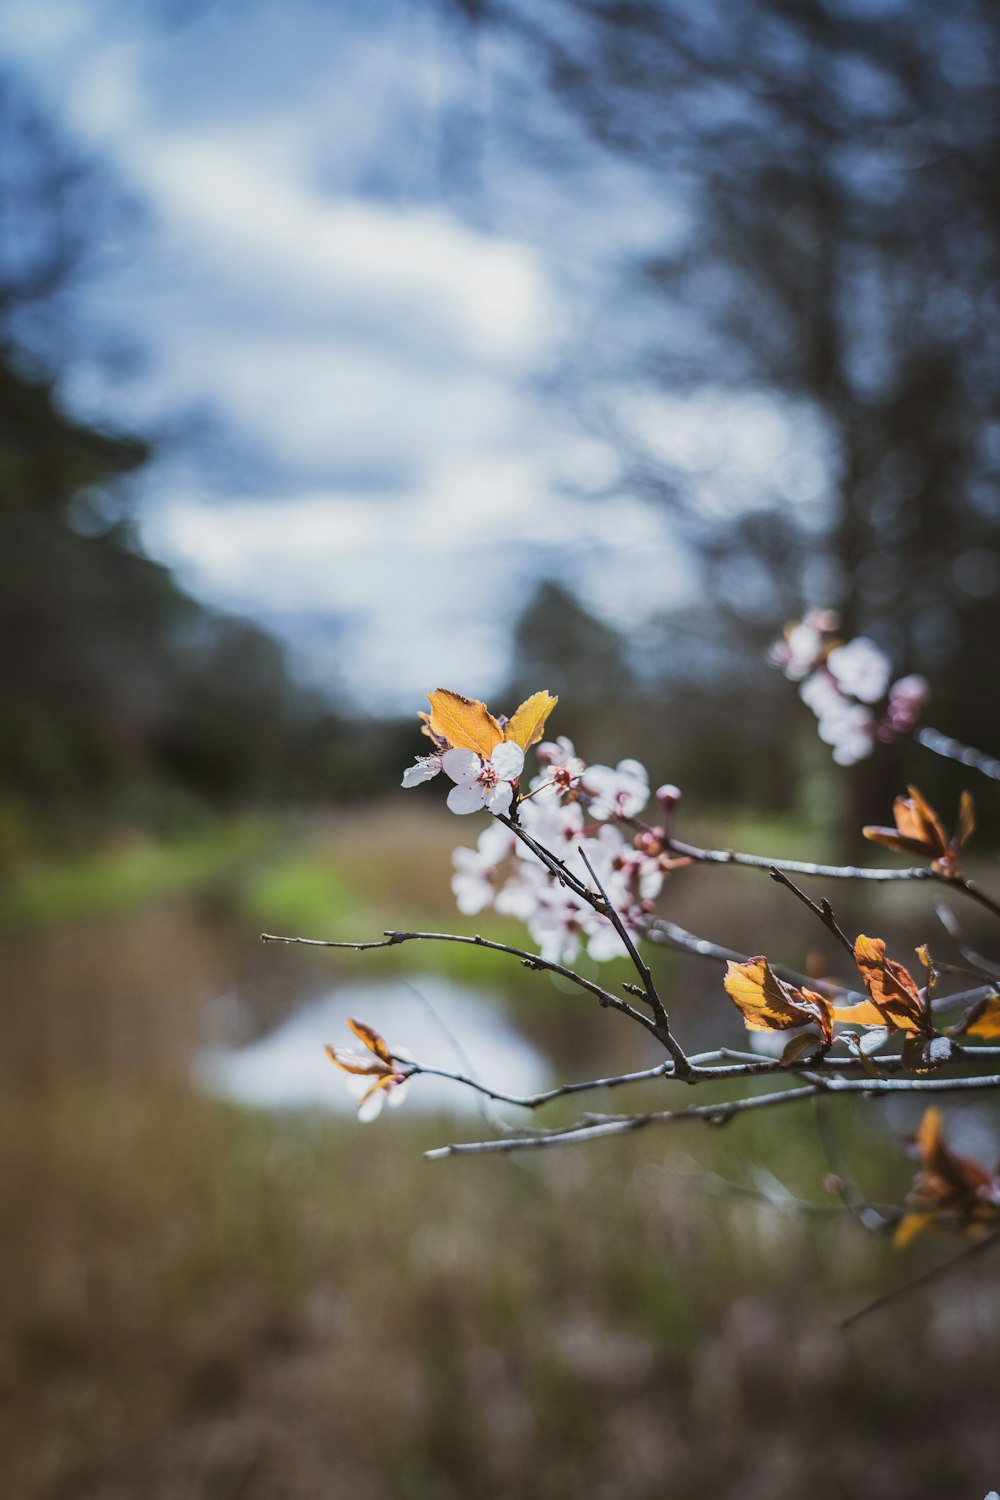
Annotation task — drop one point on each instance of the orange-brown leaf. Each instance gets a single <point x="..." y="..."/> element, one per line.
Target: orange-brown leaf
<point x="353" y="1062"/>
<point x="966" y="821"/>
<point x="865" y="1013"/>
<point x="890" y="985"/>
<point x="947" y="1184"/>
<point x="987" y="1023"/>
<point x="947" y="1180"/>
<point x="371" y="1039"/>
<point x="769" y="1005"/>
<point x="465" y="723"/>
<point x="437" y="740"/>
<point x="917" y="809"/>
<point x="893" y="839"/>
<point x="526" y="725"/>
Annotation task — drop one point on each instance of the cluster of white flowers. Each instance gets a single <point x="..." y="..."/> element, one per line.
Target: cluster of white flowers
<point x="848" y="686"/>
<point x="572" y="811"/>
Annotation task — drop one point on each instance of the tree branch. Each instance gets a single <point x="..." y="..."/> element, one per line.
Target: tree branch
<point x="721" y="1114"/>
<point x="663" y="1031"/>
<point x="529" y="960"/>
<point x="830" y="872"/>
<point x="943" y="744"/>
<point x="824" y="911"/>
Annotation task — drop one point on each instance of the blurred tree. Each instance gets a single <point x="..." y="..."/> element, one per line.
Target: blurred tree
<point x="831" y="174"/>
<point x="560" y="646"/>
<point x="119" y="692"/>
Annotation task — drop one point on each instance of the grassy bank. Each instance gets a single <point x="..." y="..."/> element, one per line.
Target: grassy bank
<point x="205" y="1301"/>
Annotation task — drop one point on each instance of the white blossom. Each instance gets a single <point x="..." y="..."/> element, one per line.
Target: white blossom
<point x="860" y="669"/>
<point x="483" y="782"/>
<point x="622" y="792"/>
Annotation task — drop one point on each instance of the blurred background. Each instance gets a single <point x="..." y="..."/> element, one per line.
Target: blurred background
<point x="347" y="352"/>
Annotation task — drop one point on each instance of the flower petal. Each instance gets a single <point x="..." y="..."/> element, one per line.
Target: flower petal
<point x="462" y="765"/>
<point x="425" y="767"/>
<point x="467" y="799"/>
<point x="499" y="799"/>
<point x="508" y="761"/>
<point x="371" y="1105"/>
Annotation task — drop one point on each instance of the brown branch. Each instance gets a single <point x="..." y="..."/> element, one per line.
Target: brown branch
<point x="554" y="865"/>
<point x="720" y="1114"/>
<point x="656" y="1005"/>
<point x="830" y="872"/>
<point x="916" y="1282"/>
<point x="824" y="911"/>
<point x="530" y="961"/>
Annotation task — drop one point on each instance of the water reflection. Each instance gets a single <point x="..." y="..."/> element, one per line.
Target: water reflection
<point x="439" y="1022"/>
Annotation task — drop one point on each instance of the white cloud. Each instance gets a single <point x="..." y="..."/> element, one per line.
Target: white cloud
<point x="247" y="202"/>
<point x="427" y="584"/>
<point x="342" y="335"/>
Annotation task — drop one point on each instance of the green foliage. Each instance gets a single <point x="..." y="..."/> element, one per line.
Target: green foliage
<point x="136" y="871"/>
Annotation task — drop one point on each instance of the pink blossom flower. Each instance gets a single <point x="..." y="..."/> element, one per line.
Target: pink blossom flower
<point x="619" y="793"/>
<point x="557" y="926"/>
<point x="553" y="824"/>
<point x="798" y="651"/>
<point x="481" y="782"/>
<point x="476" y="875"/>
<point x="860" y="669"/>
<point x="906" y="699"/>
<point x="525" y="892"/>
<point x="564" y="768"/>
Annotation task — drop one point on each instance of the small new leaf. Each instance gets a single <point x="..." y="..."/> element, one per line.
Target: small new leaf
<point x="947" y="1184"/>
<point x="920" y="831"/>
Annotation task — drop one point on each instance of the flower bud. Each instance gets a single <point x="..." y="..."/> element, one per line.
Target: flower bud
<point x="668" y="796"/>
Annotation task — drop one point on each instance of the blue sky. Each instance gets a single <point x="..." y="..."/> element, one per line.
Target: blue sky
<point x="370" y="337"/>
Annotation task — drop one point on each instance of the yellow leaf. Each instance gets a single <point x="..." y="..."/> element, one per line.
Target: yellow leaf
<point x="966" y="821"/>
<point x="866" y="1013"/>
<point x="987" y="1023"/>
<point x="909" y="1226"/>
<point x="767" y="1004"/>
<point x="526" y="725"/>
<point x="465" y="723"/>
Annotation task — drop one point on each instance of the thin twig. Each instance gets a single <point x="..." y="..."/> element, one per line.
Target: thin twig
<point x="943" y="744"/>
<point x="656" y="1005"/>
<point x="985" y="967"/>
<point x="552" y="863"/>
<point x="853" y="1199"/>
<point x="530" y="960"/>
<point x="546" y="1096"/>
<point x="831" y="872"/>
<point x="720" y="1114"/>
<point x="824" y="911"/>
<point x="916" y="1282"/>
